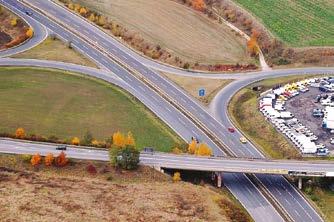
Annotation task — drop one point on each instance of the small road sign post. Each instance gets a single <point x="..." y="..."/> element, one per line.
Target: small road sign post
<point x="201" y="92"/>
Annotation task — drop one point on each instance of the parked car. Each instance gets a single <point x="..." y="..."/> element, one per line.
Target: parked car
<point x="332" y="140"/>
<point x="322" y="152"/>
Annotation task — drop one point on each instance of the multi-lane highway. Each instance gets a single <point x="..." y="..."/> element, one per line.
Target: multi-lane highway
<point x="192" y="119"/>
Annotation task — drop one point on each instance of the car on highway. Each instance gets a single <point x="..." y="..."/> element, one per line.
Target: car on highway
<point x="231" y="129"/>
<point x="61" y="147"/>
<point x="149" y="150"/>
<point x="29" y="13"/>
<point x="243" y="140"/>
<point x="195" y="139"/>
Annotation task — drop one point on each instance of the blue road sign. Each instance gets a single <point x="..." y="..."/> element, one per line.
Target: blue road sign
<point x="201" y="92"/>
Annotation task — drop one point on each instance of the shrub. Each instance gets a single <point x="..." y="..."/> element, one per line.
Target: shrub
<point x="49" y="159"/>
<point x="26" y="158"/>
<point x="91" y="169"/>
<point x="29" y="32"/>
<point x="61" y="160"/>
<point x="36" y="159"/>
<point x="13" y="22"/>
<point x="176" y="177"/>
<point x="75" y="141"/>
<point x="127" y="158"/>
<point x="20" y="133"/>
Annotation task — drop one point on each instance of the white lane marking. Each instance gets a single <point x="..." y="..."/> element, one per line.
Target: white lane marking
<point x="181" y="121"/>
<point x="128" y="78"/>
<point x="142" y="88"/>
<point x="169" y="109"/>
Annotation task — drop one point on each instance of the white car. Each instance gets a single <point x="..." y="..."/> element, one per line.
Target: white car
<point x="332" y="140"/>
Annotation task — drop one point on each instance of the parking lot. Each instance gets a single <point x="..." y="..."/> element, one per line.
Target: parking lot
<point x="301" y="106"/>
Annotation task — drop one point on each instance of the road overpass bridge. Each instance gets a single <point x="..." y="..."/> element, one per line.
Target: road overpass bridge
<point x="183" y="161"/>
<point x="223" y="164"/>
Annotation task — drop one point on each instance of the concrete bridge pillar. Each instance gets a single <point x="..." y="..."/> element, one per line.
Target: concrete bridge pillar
<point x="300" y="183"/>
<point x="219" y="179"/>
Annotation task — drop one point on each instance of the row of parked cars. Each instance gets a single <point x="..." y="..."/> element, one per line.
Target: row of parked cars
<point x="272" y="105"/>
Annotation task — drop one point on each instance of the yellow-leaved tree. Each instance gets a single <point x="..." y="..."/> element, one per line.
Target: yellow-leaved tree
<point x="83" y="11"/>
<point x="176" y="177"/>
<point x="203" y="150"/>
<point x="130" y="140"/>
<point x="95" y="142"/>
<point x="71" y="6"/>
<point x="75" y="141"/>
<point x="118" y="139"/>
<point x="13" y="22"/>
<point x="192" y="147"/>
<point x="30" y="32"/>
<point x="92" y="17"/>
<point x="20" y="133"/>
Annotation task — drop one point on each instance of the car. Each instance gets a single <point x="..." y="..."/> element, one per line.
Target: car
<point x="149" y="150"/>
<point x="243" y="140"/>
<point x="332" y="140"/>
<point x="231" y="129"/>
<point x="29" y="13"/>
<point x="195" y="139"/>
<point x="61" y="147"/>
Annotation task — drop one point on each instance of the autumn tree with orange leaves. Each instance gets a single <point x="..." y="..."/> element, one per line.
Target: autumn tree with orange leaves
<point x="252" y="44"/>
<point x="198" y="5"/>
<point x="49" y="159"/>
<point x="20" y="133"/>
<point x="61" y="160"/>
<point x="36" y="159"/>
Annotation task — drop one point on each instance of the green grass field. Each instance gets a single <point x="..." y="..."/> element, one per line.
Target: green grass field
<point x="51" y="102"/>
<point x="297" y="22"/>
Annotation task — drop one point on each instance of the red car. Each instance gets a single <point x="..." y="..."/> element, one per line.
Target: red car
<point x="231" y="129"/>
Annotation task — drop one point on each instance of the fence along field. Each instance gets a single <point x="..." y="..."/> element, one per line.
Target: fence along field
<point x="298" y="23"/>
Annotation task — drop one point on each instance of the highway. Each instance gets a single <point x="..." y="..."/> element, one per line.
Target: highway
<point x="89" y="34"/>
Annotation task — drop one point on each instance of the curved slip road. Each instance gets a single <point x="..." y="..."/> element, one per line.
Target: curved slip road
<point x="40" y="34"/>
<point x="88" y="34"/>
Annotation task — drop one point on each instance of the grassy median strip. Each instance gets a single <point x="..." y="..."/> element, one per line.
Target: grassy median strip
<point x="192" y="85"/>
<point x="63" y="104"/>
<point x="54" y="49"/>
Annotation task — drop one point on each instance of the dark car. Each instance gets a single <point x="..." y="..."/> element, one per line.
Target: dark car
<point x="61" y="147"/>
<point x="195" y="139"/>
<point x="29" y="13"/>
<point x="148" y="150"/>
